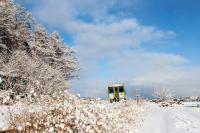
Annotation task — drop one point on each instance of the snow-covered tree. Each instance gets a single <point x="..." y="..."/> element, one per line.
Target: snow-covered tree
<point x="31" y="59"/>
<point x="163" y="94"/>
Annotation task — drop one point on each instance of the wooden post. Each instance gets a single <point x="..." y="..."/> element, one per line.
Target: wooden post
<point x="138" y="96"/>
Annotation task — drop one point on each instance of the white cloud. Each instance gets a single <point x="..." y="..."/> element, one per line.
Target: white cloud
<point x="110" y="47"/>
<point x="181" y="80"/>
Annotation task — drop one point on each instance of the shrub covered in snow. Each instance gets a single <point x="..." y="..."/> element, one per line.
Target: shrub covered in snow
<point x="76" y="115"/>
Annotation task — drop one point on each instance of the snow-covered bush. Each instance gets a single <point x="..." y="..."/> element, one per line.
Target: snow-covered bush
<point x="87" y="115"/>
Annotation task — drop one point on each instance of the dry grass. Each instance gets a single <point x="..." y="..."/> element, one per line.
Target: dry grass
<point x="88" y="116"/>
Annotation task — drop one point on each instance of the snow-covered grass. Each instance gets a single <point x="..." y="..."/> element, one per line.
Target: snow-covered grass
<point x="89" y="115"/>
<point x="92" y="115"/>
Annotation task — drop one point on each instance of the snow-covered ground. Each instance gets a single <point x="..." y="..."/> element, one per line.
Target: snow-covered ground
<point x="178" y="119"/>
<point x="148" y="118"/>
<point x="6" y="110"/>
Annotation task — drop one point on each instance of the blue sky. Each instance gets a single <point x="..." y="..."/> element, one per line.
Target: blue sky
<point x="142" y="43"/>
<point x="180" y="16"/>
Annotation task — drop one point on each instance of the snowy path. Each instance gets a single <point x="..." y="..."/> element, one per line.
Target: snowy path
<point x="178" y="119"/>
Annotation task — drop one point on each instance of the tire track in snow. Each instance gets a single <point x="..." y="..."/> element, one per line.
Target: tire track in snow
<point x="191" y="119"/>
<point x="156" y="120"/>
<point x="178" y="119"/>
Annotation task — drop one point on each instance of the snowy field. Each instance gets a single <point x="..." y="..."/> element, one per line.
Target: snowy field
<point x="178" y="119"/>
<point x="148" y="118"/>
